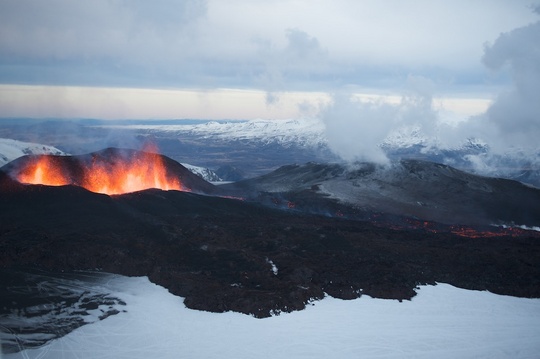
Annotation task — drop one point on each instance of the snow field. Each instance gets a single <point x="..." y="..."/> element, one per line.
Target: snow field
<point x="440" y="322"/>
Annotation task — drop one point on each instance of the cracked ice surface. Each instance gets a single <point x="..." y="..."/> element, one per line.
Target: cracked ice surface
<point x="440" y="322"/>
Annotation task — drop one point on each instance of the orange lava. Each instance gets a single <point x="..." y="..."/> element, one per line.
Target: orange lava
<point x="44" y="171"/>
<point x="109" y="176"/>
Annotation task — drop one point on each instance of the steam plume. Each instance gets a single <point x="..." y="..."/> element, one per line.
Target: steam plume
<point x="510" y="126"/>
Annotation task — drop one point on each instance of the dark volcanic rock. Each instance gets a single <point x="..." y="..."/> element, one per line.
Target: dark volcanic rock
<point x="420" y="189"/>
<point x="224" y="254"/>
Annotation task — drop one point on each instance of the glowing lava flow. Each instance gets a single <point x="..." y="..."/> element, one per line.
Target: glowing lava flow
<point x="116" y="175"/>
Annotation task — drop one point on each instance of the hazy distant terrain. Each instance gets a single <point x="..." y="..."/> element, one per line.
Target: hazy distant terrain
<point x="198" y="143"/>
<point x="244" y="149"/>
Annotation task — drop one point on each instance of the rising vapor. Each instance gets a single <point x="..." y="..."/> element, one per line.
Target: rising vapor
<point x="509" y="128"/>
<point x="355" y="129"/>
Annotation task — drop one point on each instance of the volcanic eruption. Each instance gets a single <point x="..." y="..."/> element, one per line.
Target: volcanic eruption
<point x="111" y="171"/>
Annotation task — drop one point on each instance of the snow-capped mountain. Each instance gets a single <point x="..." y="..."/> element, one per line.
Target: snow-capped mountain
<point x="472" y="155"/>
<point x="303" y="132"/>
<point x="12" y="149"/>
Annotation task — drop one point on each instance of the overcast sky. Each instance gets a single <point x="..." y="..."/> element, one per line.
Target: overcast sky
<point x="244" y="58"/>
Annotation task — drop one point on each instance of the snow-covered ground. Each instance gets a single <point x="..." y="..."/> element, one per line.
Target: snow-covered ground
<point x="440" y="322"/>
<point x="12" y="149"/>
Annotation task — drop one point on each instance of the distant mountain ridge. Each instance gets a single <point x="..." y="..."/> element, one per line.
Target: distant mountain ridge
<point x="412" y="188"/>
<point x="300" y="135"/>
<point x="256" y="147"/>
<point x="303" y="132"/>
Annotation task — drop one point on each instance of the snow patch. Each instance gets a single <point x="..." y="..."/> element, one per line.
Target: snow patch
<point x="273" y="266"/>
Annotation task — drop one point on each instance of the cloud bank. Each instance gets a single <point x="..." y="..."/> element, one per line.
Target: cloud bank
<point x="515" y="114"/>
<point x="281" y="45"/>
<point x="510" y="126"/>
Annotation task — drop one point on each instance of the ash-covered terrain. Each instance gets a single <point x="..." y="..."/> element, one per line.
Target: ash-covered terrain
<point x="269" y="244"/>
<point x="407" y="188"/>
<point x="226" y="254"/>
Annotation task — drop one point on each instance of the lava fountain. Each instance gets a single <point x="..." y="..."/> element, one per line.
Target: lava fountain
<point x="111" y="173"/>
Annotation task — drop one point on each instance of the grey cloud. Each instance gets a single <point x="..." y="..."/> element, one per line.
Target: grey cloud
<point x="166" y="12"/>
<point x="516" y="112"/>
<point x="209" y="43"/>
<point x="299" y="58"/>
<point x="137" y="42"/>
<point x="511" y="125"/>
<point x="302" y="48"/>
<point x="113" y="39"/>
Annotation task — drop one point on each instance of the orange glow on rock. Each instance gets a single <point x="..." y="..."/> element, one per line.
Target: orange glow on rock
<point x="116" y="175"/>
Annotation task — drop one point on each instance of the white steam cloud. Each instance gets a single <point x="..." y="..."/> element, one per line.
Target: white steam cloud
<point x="355" y="129"/>
<point x="510" y="126"/>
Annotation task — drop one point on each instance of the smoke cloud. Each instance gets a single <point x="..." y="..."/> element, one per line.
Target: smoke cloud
<point x="510" y="127"/>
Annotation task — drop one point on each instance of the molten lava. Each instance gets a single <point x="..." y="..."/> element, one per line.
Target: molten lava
<point x="115" y="175"/>
<point x="44" y="171"/>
